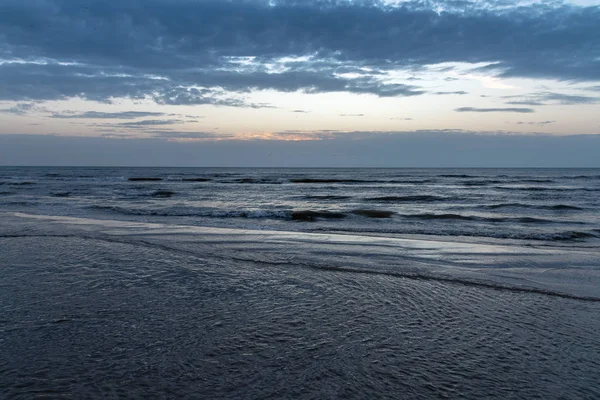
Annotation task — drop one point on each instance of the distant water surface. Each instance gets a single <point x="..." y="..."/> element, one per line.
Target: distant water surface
<point x="540" y="205"/>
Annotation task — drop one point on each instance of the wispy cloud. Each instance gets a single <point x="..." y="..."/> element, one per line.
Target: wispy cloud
<point x="550" y="98"/>
<point x="106" y="115"/>
<point x="458" y="92"/>
<point x="541" y="123"/>
<point x="21" y="109"/>
<point x="487" y="110"/>
<point x="150" y="122"/>
<point x="172" y="135"/>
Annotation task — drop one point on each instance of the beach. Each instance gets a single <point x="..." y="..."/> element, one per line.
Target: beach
<point x="121" y="306"/>
<point x="125" y="309"/>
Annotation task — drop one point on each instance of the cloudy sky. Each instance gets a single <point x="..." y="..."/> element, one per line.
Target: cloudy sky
<point x="249" y="73"/>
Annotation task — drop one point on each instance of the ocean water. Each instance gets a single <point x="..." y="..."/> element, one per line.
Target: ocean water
<point x="299" y="283"/>
<point x="541" y="206"/>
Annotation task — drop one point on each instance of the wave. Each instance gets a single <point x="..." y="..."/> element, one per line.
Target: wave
<point x="536" y="180"/>
<point x="21" y="203"/>
<point x="89" y="179"/>
<point x="546" y="189"/>
<point x="298" y="215"/>
<point x="557" y="207"/>
<point x="313" y="215"/>
<point x="309" y="215"/>
<point x="456" y="176"/>
<point x="196" y="179"/>
<point x="326" y="197"/>
<point x="524" y="179"/>
<point x="459" y="217"/>
<point x="561" y="236"/>
<point x="428" y="216"/>
<point x="143" y="179"/>
<point x="318" y="180"/>
<point x="573" y="236"/>
<point x="412" y="181"/>
<point x="60" y="194"/>
<point x="582" y="177"/>
<point x="163" y="194"/>
<point x="481" y="183"/>
<point x="410" y="198"/>
<point x="374" y="213"/>
<point x="528" y="178"/>
<point x="255" y="180"/>
<point x="366" y="181"/>
<point x="179" y="212"/>
<point x="26" y="183"/>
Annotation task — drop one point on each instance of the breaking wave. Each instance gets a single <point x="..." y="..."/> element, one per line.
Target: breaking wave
<point x="294" y="215"/>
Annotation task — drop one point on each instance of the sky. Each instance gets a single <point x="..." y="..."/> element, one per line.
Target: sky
<point x="300" y="83"/>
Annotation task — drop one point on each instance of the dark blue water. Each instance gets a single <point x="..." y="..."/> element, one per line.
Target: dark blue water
<point x="302" y="283"/>
<point x="528" y="204"/>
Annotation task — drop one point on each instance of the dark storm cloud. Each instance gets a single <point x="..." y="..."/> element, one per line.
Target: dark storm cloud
<point x="184" y="52"/>
<point x="486" y="110"/>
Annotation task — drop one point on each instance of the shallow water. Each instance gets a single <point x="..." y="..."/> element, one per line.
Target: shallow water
<point x="88" y="317"/>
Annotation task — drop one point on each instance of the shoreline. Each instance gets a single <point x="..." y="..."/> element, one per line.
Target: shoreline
<point x="506" y="267"/>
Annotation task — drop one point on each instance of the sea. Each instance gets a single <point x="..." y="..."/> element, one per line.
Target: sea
<point x="299" y="283"/>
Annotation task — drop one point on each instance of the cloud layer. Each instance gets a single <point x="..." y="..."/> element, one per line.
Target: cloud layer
<point x="215" y="52"/>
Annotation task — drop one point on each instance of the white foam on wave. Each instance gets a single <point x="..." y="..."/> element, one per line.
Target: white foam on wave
<point x="554" y="271"/>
